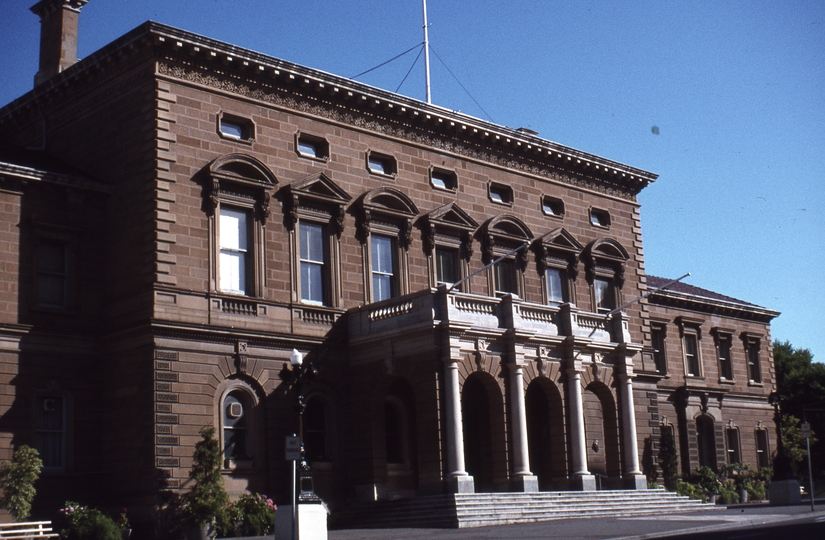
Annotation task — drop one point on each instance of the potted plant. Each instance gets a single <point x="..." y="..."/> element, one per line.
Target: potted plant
<point x="207" y="502"/>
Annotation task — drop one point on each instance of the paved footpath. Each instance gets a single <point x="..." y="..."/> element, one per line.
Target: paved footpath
<point x="745" y="522"/>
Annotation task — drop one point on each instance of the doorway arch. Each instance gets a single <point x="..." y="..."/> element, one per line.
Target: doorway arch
<point x="545" y="433"/>
<point x="485" y="452"/>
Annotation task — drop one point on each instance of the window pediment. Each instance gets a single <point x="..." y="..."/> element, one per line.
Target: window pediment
<point x="390" y="205"/>
<point x="505" y="231"/>
<point x="605" y="253"/>
<point x="316" y="190"/>
<point x="558" y="244"/>
<point x="240" y="175"/>
<point x="449" y="218"/>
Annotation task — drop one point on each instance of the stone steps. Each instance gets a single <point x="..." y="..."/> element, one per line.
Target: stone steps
<point x="484" y="509"/>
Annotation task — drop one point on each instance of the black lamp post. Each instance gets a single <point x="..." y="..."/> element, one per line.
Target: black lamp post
<point x="781" y="464"/>
<point x="297" y="375"/>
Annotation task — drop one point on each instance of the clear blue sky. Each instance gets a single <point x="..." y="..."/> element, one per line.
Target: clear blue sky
<point x="736" y="88"/>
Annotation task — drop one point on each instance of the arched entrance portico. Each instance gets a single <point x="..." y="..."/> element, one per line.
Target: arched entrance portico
<point x="602" y="431"/>
<point x="482" y="414"/>
<point x="545" y="434"/>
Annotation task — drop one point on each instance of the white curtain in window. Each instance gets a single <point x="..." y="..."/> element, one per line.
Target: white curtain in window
<point x="233" y="244"/>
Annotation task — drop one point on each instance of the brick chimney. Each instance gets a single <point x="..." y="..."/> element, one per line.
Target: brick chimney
<point x="58" y="36"/>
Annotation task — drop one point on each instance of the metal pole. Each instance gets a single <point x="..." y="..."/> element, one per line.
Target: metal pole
<point x="488" y="265"/>
<point x="294" y="502"/>
<point x="646" y="294"/>
<point x="810" y="476"/>
<point x="426" y="52"/>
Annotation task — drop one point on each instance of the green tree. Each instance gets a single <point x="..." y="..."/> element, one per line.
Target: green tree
<point x="207" y="502"/>
<point x="801" y="383"/>
<point x="668" y="459"/>
<point x="17" y="478"/>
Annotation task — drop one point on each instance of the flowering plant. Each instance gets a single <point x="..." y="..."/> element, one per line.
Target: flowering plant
<point x="123" y="520"/>
<point x="78" y="522"/>
<point x="255" y="513"/>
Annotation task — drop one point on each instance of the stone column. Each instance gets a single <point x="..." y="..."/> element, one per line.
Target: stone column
<point x="460" y="481"/>
<point x="633" y="477"/>
<point x="580" y="477"/>
<point x="523" y="479"/>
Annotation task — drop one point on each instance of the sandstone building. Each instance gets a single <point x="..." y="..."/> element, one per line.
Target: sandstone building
<point x="179" y="215"/>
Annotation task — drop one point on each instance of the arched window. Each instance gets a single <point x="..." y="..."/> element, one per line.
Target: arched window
<point x="236" y="426"/>
<point x="316" y="438"/>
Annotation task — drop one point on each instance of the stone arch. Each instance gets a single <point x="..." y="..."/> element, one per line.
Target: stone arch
<point x="601" y="430"/>
<point x="485" y="441"/>
<point x="546" y="433"/>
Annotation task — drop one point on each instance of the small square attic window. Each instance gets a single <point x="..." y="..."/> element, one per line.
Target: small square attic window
<point x="312" y="147"/>
<point x="552" y="206"/>
<point x="236" y="128"/>
<point x="381" y="164"/>
<point x="500" y="193"/>
<point x="442" y="179"/>
<point x="599" y="218"/>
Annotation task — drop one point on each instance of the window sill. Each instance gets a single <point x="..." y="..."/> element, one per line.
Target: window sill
<point x="230" y="138"/>
<point x="756" y="384"/>
<point x="723" y="380"/>
<point x="382" y="175"/>
<point x="322" y="159"/>
<point x="238" y="464"/>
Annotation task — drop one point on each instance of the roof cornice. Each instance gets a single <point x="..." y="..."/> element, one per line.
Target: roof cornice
<point x="711" y="305"/>
<point x="217" y="56"/>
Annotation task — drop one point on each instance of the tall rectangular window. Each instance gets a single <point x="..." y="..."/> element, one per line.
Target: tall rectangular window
<point x="657" y="338"/>
<point x="50" y="431"/>
<point x="725" y="369"/>
<point x="52" y="274"/>
<point x="505" y="277"/>
<point x="692" y="355"/>
<point x="383" y="268"/>
<point x="556" y="289"/>
<point x="313" y="263"/>
<point x="732" y="436"/>
<point x="234" y="246"/>
<point x="754" y="371"/>
<point x="762" y="454"/>
<point x="446" y="265"/>
<point x="605" y="299"/>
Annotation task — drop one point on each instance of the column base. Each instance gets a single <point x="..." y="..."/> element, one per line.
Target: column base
<point x="782" y="492"/>
<point x="634" y="481"/>
<point x="583" y="482"/>
<point x="312" y="522"/>
<point x="527" y="483"/>
<point x="461" y="484"/>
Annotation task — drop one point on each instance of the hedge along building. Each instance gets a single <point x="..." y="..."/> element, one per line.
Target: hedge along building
<point x="193" y="212"/>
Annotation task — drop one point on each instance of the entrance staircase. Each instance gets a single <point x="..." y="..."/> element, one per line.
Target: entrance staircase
<point x="483" y="509"/>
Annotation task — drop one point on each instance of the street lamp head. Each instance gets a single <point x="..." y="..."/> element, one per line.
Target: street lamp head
<point x="296" y="358"/>
<point x="774" y="398"/>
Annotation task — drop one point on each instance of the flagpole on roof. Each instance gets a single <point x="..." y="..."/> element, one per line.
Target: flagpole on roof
<point x="426" y="52"/>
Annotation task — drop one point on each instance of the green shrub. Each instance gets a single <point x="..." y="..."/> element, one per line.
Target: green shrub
<point x="693" y="491"/>
<point x="17" y="478"/>
<point x="78" y="522"/>
<point x="207" y="502"/>
<point x="707" y="479"/>
<point x="728" y="494"/>
<point x="255" y="513"/>
<point x="756" y="490"/>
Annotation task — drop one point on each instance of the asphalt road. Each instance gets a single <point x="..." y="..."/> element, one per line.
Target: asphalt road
<point x="749" y="522"/>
